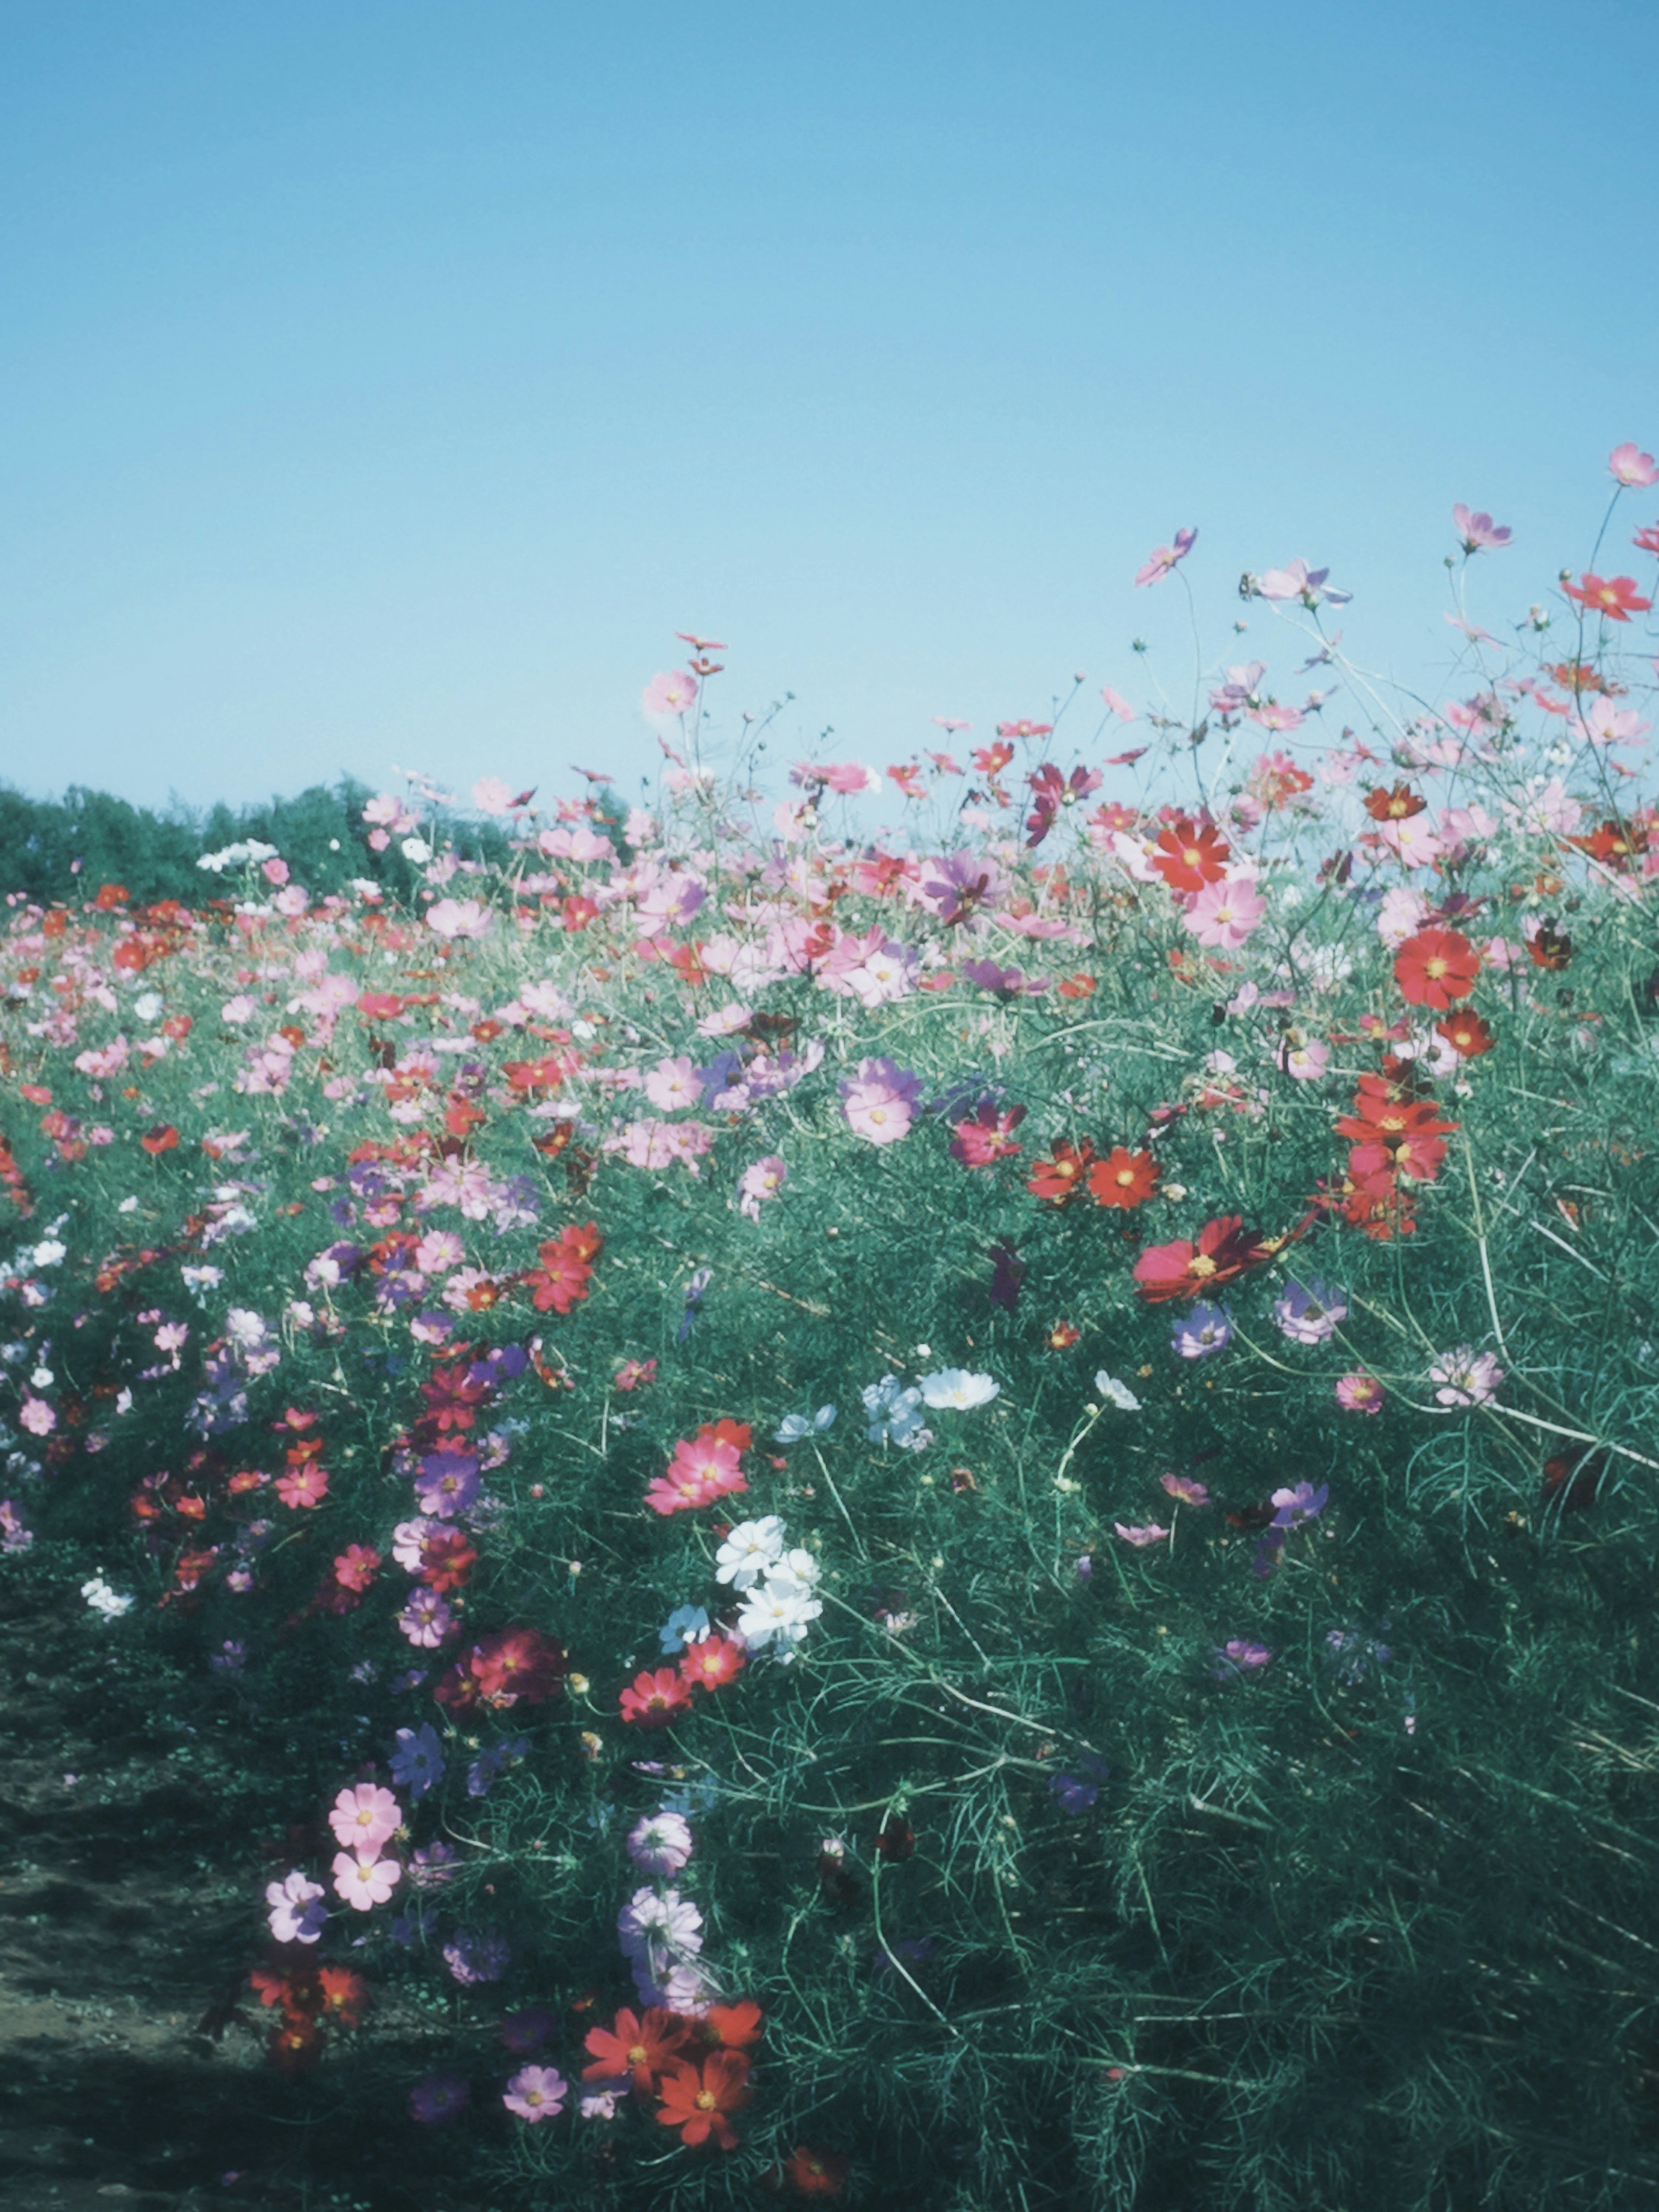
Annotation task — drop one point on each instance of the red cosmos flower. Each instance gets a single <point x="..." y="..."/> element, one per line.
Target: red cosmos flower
<point x="566" y="1264"/>
<point x="452" y="1397"/>
<point x="1394" y="1133"/>
<point x="1615" y="844"/>
<point x="517" y="1665"/>
<point x="344" y="1995"/>
<point x="704" y="1467"/>
<point x="991" y="759"/>
<point x="815" y="2173"/>
<point x="1225" y="1249"/>
<point x="1615" y="597"/>
<point x="163" y="1138"/>
<point x="713" y="1664"/>
<point x="1549" y="947"/>
<point x="1080" y="985"/>
<point x="1396" y="806"/>
<point x="356" y="1566"/>
<point x="697" y="2102"/>
<point x="1189" y="855"/>
<point x="733" y="2026"/>
<point x="1123" y="1178"/>
<point x="987" y="1136"/>
<point x="639" y="2048"/>
<point x="447" y="1560"/>
<point x="655" y="1700"/>
<point x="1055" y="1181"/>
<point x="1436" y="967"/>
<point x="1466" y="1035"/>
<point x="1647" y="540"/>
<point x="303" y="1485"/>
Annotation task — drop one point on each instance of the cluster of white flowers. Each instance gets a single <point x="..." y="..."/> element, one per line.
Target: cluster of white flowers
<point x="237" y="855"/>
<point x="778" y="1586"/>
<point x="102" y="1599"/>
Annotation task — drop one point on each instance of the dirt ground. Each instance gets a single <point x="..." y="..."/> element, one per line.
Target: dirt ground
<point x="127" y="2078"/>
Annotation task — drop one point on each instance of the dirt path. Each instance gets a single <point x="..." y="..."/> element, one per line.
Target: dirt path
<point x="125" y="1939"/>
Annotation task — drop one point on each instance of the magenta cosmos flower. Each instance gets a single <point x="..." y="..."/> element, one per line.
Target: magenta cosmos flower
<point x="879" y="1102"/>
<point x="1359" y="1393"/>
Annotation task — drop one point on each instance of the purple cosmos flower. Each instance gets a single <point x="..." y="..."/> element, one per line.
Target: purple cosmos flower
<point x="446" y="1484"/>
<point x="432" y="1865"/>
<point x="472" y="1959"/>
<point x="1206" y="1329"/>
<point x="417" y="1761"/>
<point x="1240" y="1657"/>
<point x="536" y="2093"/>
<point x="526" y="2031"/>
<point x="1076" y="1793"/>
<point x="437" y="2099"/>
<point x="1309" y="1312"/>
<point x="661" y="1845"/>
<point x="487" y="1767"/>
<point x="297" y="1913"/>
<point x="1304" y="1502"/>
<point x="694" y="1291"/>
<point x="1186" y="1487"/>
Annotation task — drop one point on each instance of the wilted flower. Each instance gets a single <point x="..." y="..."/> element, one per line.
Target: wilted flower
<point x="1466" y="1377"/>
<point x="1308" y="1313"/>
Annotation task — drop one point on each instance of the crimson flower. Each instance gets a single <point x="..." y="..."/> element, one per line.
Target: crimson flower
<point x="639" y="2047"/>
<point x="1056" y="1180"/>
<point x="697" y="2101"/>
<point x="1466" y="1035"/>
<point x="655" y="1700"/>
<point x="1615" y="597"/>
<point x="1123" y="1178"/>
<point x="1225" y="1249"/>
<point x="1436" y="967"/>
<point x="815" y="2173"/>
<point x="712" y="1664"/>
<point x="1189" y="855"/>
<point x="987" y="1135"/>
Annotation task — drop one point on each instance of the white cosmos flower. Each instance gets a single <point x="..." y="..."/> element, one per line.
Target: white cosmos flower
<point x="751" y="1549"/>
<point x="954" y="1387"/>
<point x="1120" y="1393"/>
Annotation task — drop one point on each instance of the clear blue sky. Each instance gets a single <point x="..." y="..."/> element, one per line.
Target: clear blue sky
<point x="388" y="381"/>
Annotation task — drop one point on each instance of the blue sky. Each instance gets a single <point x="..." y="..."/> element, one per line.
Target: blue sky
<point x="389" y="382"/>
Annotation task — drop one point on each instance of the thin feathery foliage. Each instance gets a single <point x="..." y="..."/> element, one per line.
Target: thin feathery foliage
<point x="1205" y="1754"/>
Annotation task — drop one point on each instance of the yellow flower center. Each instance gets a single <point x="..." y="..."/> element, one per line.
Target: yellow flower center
<point x="1202" y="1265"/>
<point x="636" y="2056"/>
<point x="707" y="2100"/>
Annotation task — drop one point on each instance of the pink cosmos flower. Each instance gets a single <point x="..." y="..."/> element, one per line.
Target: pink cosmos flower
<point x="671" y="691"/>
<point x="536" y="2093"/>
<point x="1140" y="1537"/>
<point x="452" y="918"/>
<point x="1479" y="532"/>
<point x="438" y="1251"/>
<point x="672" y="1084"/>
<point x="1465" y="1377"/>
<point x="764" y="1180"/>
<point x="364" y="1883"/>
<point x="1224" y="915"/>
<point x="426" y="1619"/>
<point x="1296" y="580"/>
<point x="38" y="1416"/>
<point x="491" y="796"/>
<point x="1305" y="1063"/>
<point x="1160" y="563"/>
<point x="879" y="1103"/>
<point x="295" y="1916"/>
<point x="1118" y="704"/>
<point x="1359" y="1393"/>
<point x="1631" y="467"/>
<point x="365" y="1817"/>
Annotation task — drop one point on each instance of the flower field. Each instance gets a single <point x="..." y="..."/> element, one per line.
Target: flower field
<point x="958" y="1514"/>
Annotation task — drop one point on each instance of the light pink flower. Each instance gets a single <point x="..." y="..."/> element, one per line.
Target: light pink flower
<point x="364" y="1883"/>
<point x="438" y="1251"/>
<point x="1119" y="705"/>
<point x="536" y="2093"/>
<point x="879" y="1102"/>
<point x="1479" y="532"/>
<point x="453" y="918"/>
<point x="1631" y="467"/>
<point x="1166" y="558"/>
<point x="1224" y="915"/>
<point x="363" y="1818"/>
<point x="491" y="796"/>
<point x="674" y="1083"/>
<point x="671" y="691"/>
<point x="1465" y="1377"/>
<point x="1305" y="1063"/>
<point x="38" y="1416"/>
<point x="764" y="1180"/>
<point x="1141" y="1536"/>
<point x="1296" y="580"/>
